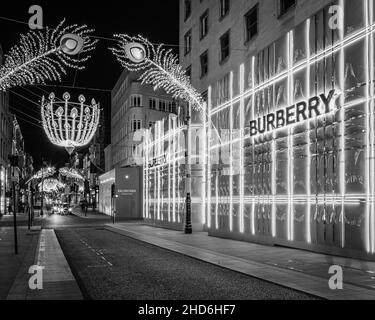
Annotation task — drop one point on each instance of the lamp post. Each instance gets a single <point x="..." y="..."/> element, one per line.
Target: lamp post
<point x="188" y="227"/>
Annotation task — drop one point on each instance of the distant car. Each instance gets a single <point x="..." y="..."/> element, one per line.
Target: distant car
<point x="66" y="209"/>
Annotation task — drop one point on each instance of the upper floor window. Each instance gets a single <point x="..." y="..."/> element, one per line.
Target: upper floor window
<point x="136" y="125"/>
<point x="172" y="107"/>
<point x="204" y="63"/>
<point x="203" y="25"/>
<point x="136" y="100"/>
<point x="187" y="9"/>
<point x="285" y="5"/>
<point x="162" y="105"/>
<point x="187" y="42"/>
<point x="224" y="46"/>
<point x="153" y="103"/>
<point x="224" y="8"/>
<point x="188" y="72"/>
<point x="251" y="22"/>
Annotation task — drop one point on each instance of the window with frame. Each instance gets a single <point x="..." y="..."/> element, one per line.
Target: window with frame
<point x="187" y="9"/>
<point x="162" y="105"/>
<point x="251" y="22"/>
<point x="188" y="72"/>
<point x="152" y="103"/>
<point x="136" y="125"/>
<point x="203" y="25"/>
<point x="136" y="101"/>
<point x="224" y="8"/>
<point x="204" y="63"/>
<point x="187" y="42"/>
<point x="225" y="46"/>
<point x="286" y="5"/>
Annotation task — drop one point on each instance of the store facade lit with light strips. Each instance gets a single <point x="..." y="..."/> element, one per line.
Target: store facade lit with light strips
<point x="303" y="180"/>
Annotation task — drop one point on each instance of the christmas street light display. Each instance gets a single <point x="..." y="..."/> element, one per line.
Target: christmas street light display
<point x="50" y="185"/>
<point x="161" y="68"/>
<point x="44" y="55"/>
<point x="71" y="173"/>
<point x="43" y="173"/>
<point x="69" y="124"/>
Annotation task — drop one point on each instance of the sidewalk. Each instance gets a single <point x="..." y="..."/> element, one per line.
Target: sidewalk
<point x="10" y="263"/>
<point x="58" y="280"/>
<point x="296" y="269"/>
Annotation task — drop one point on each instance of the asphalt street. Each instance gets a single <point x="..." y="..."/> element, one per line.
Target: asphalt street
<point x="112" y="266"/>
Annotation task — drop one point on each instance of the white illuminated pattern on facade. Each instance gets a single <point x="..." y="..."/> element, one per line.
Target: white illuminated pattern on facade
<point x="291" y="183"/>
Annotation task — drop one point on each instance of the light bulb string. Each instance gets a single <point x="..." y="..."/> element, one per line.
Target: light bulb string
<point x="23" y="66"/>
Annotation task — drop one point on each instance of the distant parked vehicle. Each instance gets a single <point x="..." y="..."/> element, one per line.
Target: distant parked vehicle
<point x="66" y="209"/>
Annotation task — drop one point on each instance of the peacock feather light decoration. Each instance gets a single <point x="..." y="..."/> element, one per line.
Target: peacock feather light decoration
<point x="161" y="68"/>
<point x="43" y="173"/>
<point x="44" y="55"/>
<point x="71" y="173"/>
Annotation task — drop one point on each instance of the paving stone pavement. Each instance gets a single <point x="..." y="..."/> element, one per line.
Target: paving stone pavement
<point x="58" y="280"/>
<point x="297" y="269"/>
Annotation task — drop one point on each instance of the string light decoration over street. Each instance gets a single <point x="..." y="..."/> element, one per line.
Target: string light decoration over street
<point x="43" y="173"/>
<point x="51" y="185"/>
<point x="71" y="173"/>
<point x="68" y="124"/>
<point x="44" y="55"/>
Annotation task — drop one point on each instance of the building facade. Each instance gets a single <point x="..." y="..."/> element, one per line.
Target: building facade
<point x="135" y="107"/>
<point x="289" y="132"/>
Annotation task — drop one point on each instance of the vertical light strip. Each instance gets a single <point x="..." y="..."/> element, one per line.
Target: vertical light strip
<point x="342" y="140"/>
<point x="242" y="147"/>
<point x="209" y="122"/>
<point x="368" y="133"/>
<point x="273" y="167"/>
<point x="169" y="167"/>
<point x="175" y="143"/>
<point x="203" y="158"/>
<point x="290" y="140"/>
<point x="253" y="143"/>
<point x="157" y="168"/>
<point x="231" y="152"/>
<point x="372" y="132"/>
<point x="308" y="160"/>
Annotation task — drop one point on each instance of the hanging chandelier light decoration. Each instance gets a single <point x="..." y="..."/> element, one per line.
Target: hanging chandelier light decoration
<point x="51" y="185"/>
<point x="44" y="55"/>
<point x="42" y="174"/>
<point x="69" y="124"/>
<point x="71" y="173"/>
<point x="161" y="68"/>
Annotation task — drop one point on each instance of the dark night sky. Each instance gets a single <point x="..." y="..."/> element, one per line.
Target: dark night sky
<point x="156" y="20"/>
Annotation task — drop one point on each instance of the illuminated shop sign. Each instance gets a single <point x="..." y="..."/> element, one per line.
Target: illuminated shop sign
<point x="302" y="111"/>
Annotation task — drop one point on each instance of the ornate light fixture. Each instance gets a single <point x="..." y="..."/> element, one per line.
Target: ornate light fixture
<point x="43" y="173"/>
<point x="69" y="124"/>
<point x="50" y="185"/>
<point x="45" y="55"/>
<point x="71" y="173"/>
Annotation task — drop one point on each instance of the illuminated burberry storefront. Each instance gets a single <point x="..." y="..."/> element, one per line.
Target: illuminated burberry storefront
<point x="289" y="157"/>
